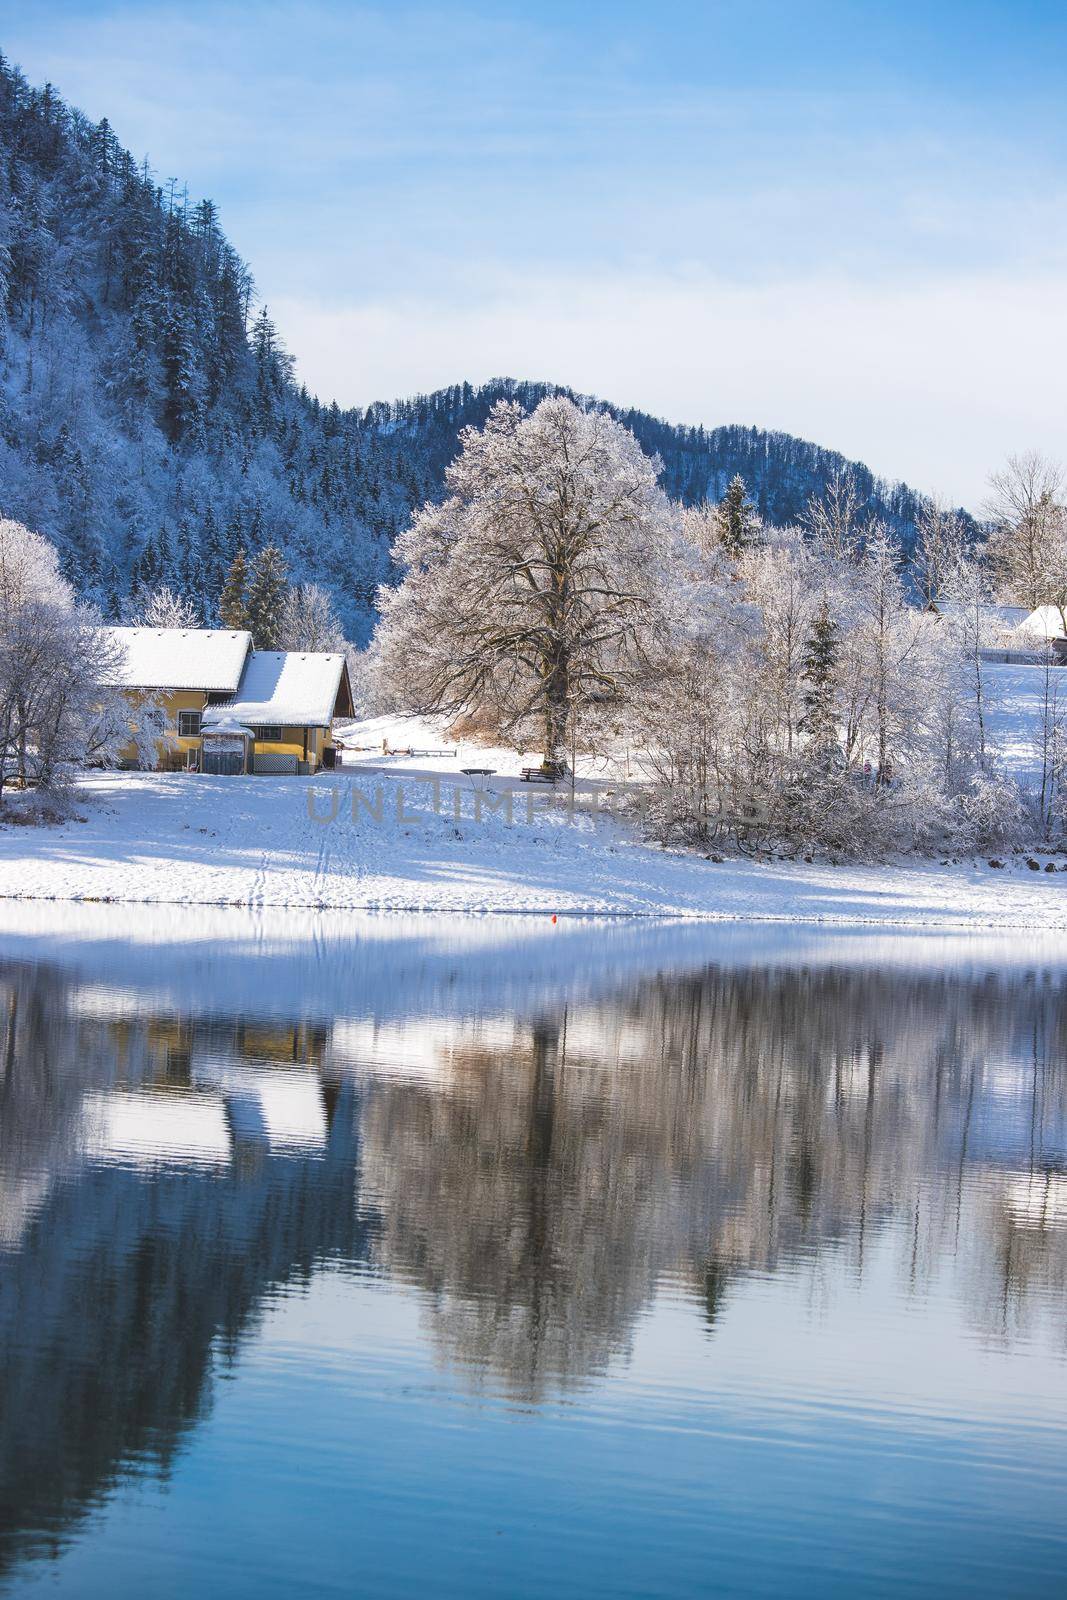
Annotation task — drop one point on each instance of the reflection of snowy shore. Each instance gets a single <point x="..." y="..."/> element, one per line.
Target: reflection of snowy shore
<point x="366" y="967"/>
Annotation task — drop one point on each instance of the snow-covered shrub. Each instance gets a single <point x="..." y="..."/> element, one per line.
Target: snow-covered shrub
<point x="309" y="620"/>
<point x="990" y="812"/>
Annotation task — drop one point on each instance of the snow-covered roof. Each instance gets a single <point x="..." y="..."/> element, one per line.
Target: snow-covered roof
<point x="287" y="687"/>
<point x="179" y="658"/>
<point x="1044" y="623"/>
<point x="228" y="726"/>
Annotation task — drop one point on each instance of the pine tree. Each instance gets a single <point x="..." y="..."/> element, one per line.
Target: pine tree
<point x="738" y="524"/>
<point x="821" y="656"/>
<point x="267" y="593"/>
<point x="164" y="562"/>
<point x="233" y="603"/>
<point x="182" y="375"/>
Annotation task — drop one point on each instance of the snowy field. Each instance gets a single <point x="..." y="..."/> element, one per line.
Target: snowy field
<point x="1014" y="710"/>
<point x="371" y="841"/>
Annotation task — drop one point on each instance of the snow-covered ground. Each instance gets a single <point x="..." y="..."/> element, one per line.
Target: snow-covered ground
<point x="420" y="745"/>
<point x="399" y="827"/>
<point x="1015" y="710"/>
<point x="366" y="840"/>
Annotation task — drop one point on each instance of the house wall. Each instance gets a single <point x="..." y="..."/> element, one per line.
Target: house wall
<point x="173" y="752"/>
<point x="292" y="744"/>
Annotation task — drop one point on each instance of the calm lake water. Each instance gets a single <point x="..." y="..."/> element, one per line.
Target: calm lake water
<point x="490" y="1258"/>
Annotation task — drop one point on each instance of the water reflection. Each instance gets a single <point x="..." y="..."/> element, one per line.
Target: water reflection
<point x="717" y="1125"/>
<point x="535" y="1177"/>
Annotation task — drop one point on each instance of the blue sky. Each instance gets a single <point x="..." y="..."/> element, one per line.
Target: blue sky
<point x="845" y="220"/>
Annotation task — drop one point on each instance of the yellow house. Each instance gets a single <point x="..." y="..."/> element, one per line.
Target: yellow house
<point x="230" y="708"/>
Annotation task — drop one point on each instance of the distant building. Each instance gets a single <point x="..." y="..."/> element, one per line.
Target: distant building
<point x="230" y="708"/>
<point x="1044" y="626"/>
<point x="1010" y="633"/>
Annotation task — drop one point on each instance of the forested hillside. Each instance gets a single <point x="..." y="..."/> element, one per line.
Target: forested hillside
<point x="151" y="425"/>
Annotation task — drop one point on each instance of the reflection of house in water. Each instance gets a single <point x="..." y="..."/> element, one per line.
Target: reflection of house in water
<point x="176" y="1202"/>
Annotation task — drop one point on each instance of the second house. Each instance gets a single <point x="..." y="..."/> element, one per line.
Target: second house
<point x="230" y="708"/>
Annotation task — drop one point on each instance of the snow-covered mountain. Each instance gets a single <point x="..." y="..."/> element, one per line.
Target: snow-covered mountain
<point x="151" y="424"/>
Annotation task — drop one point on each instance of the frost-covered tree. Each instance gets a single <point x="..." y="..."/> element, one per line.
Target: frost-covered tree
<point x="56" y="711"/>
<point x="528" y="589"/>
<point x="968" y="587"/>
<point x="1028" y="543"/>
<point x="786" y="579"/>
<point x="164" y="608"/>
<point x="836" y="519"/>
<point x="941" y="543"/>
<point x="801" y="701"/>
<point x="884" y="639"/>
<point x="683" y="714"/>
<point x="1051" y="744"/>
<point x="309" y="621"/>
<point x="268" y="588"/>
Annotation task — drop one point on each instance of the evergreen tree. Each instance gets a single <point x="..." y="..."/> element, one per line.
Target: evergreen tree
<point x="267" y="593"/>
<point x="213" y="565"/>
<point x="233" y="603"/>
<point x="738" y="524"/>
<point x="820" y="663"/>
<point x="164" y="561"/>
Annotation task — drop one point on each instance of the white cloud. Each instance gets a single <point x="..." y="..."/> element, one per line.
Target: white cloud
<point x="931" y="383"/>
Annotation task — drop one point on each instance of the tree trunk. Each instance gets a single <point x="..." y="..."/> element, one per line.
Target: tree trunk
<point x="557" y="685"/>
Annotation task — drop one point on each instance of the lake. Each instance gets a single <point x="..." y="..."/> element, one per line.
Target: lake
<point x="395" y="1256"/>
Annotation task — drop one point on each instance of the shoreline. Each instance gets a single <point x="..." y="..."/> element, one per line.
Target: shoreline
<point x="709" y="918"/>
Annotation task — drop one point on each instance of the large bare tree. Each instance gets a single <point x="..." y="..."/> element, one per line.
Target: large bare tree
<point x="528" y="589"/>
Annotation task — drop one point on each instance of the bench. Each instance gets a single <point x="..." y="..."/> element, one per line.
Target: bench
<point x="543" y="774"/>
<point x="477" y="772"/>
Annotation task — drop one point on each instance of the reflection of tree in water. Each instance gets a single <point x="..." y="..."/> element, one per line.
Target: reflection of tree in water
<point x="129" y="1284"/>
<point x="699" y="1129"/>
<point x="519" y="1202"/>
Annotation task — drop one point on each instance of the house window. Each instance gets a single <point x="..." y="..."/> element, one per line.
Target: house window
<point x="269" y="734"/>
<point x="188" y="724"/>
